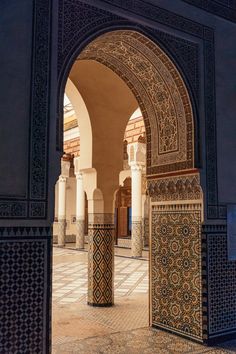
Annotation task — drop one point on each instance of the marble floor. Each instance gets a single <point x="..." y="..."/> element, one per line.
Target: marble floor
<point x="121" y="329"/>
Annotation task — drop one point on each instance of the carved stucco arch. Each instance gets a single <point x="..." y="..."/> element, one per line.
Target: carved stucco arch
<point x="160" y="91"/>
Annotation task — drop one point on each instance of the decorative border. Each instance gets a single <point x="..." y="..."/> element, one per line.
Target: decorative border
<point x="20" y="231"/>
<point x="185" y="187"/>
<point x="221" y="8"/>
<point x="40" y="104"/>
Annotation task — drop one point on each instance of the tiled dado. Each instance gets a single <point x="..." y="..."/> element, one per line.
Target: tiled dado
<point x="25" y="298"/>
<point x="124" y="242"/>
<point x="176" y="279"/>
<point x="220" y="283"/>
<point x="68" y="239"/>
<point x="101" y="264"/>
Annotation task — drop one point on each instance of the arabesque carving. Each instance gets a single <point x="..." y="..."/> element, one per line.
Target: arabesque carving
<point x="185" y="187"/>
<point x="160" y="92"/>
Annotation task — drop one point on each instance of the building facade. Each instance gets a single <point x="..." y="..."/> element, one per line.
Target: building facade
<point x="176" y="61"/>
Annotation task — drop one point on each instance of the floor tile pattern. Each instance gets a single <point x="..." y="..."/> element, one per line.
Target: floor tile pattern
<point x="139" y="341"/>
<point x="70" y="278"/>
<point x="121" y="329"/>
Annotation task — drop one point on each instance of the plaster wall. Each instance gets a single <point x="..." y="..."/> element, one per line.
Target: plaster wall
<point x="134" y="129"/>
<point x="110" y="104"/>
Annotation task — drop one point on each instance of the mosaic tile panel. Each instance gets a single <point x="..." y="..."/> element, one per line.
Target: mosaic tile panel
<point x="145" y="231"/>
<point x="136" y="240"/>
<point x="24" y="309"/>
<point x="176" y="269"/>
<point x="221" y="278"/>
<point x="61" y="232"/>
<point x="80" y="234"/>
<point x="101" y="264"/>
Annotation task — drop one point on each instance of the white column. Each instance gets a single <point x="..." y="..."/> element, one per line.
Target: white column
<point x="61" y="211"/>
<point x="80" y="211"/>
<point x="137" y="242"/>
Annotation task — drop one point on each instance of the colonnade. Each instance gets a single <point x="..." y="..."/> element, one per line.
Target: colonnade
<point x="136" y="161"/>
<point x="101" y="222"/>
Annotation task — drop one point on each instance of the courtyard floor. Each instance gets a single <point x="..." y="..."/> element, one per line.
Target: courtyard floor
<point x="122" y="329"/>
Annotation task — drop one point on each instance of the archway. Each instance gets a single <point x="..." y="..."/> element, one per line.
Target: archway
<point x="173" y="182"/>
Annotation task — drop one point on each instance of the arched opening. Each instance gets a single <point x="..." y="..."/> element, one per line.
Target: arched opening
<point x="117" y="73"/>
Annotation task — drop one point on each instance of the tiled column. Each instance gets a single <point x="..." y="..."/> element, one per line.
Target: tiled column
<point x="101" y="260"/>
<point x="80" y="211"/>
<point x="136" y="241"/>
<point x="137" y="160"/>
<point x="145" y="219"/>
<point x="61" y="211"/>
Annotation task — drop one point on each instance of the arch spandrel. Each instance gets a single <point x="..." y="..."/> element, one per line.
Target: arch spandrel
<point x="160" y="92"/>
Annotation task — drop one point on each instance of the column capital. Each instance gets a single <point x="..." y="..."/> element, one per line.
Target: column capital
<point x="62" y="178"/>
<point x="79" y="175"/>
<point x="137" y="154"/>
<point x="136" y="166"/>
<point x="65" y="168"/>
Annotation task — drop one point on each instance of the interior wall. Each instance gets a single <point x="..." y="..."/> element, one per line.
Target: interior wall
<point x="15" y="95"/>
<point x="110" y="103"/>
